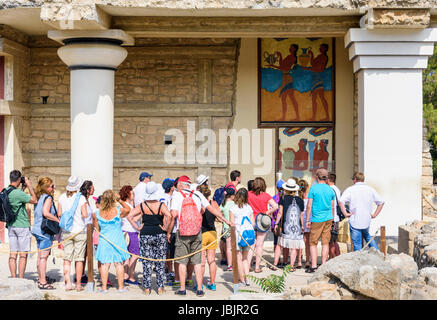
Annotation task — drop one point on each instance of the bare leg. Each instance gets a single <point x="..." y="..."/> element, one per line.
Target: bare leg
<point x="79" y="271"/>
<point x="241" y="271"/>
<point x="325" y="252"/>
<point x="278" y="250"/>
<point x="331" y="250"/>
<point x="67" y="266"/>
<point x="190" y="268"/>
<point x="313" y="250"/>
<point x="199" y="276"/>
<point x="132" y="265"/>
<point x="229" y="251"/>
<point x="104" y="270"/>
<point x="126" y="269"/>
<point x="22" y="264"/>
<point x="306" y="237"/>
<point x="120" y="274"/>
<point x="13" y="264"/>
<point x="285" y="253"/>
<point x="337" y="249"/>
<point x="245" y="264"/>
<point x="293" y="257"/>
<point x="212" y="265"/>
<point x="42" y="265"/>
<point x="176" y="271"/>
<point x="203" y="263"/>
<point x="182" y="275"/>
<point x="299" y="257"/>
<point x="260" y="237"/>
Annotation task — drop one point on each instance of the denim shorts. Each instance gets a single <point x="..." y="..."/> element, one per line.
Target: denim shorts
<point x="43" y="242"/>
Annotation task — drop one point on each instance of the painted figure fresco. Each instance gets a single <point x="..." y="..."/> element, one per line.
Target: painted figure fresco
<point x="303" y="150"/>
<point x="296" y="83"/>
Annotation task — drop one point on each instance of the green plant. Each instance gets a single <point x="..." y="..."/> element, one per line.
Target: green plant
<point x="430" y="106"/>
<point x="272" y="283"/>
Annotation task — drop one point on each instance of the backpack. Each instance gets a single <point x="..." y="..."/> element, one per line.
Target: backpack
<point x="190" y="219"/>
<point x="219" y="195"/>
<point x="66" y="221"/>
<point x="6" y="213"/>
<point x="246" y="232"/>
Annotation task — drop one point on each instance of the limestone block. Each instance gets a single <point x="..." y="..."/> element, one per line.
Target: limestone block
<point x="20" y="289"/>
<point x="316" y="289"/>
<point x="429" y="276"/>
<point x="50" y="135"/>
<point x="405" y="264"/>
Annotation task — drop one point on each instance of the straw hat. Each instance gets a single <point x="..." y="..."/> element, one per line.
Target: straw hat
<point x="74" y="184"/>
<point x="263" y="222"/>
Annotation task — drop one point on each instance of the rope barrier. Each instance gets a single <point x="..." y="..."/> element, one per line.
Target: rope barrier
<point x="45" y="249"/>
<point x="156" y="260"/>
<point x="371" y="239"/>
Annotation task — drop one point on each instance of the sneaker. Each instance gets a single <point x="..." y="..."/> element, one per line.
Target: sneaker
<point x="223" y="262"/>
<point x="132" y="282"/>
<point x="229" y="268"/>
<point x="195" y="287"/>
<point x="200" y="293"/>
<point x="211" y="286"/>
<point x="176" y="284"/>
<point x="181" y="292"/>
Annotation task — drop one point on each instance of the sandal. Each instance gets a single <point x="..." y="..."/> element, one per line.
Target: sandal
<point x="50" y="280"/>
<point x="293" y="269"/>
<point x="147" y="291"/>
<point x="69" y="288"/>
<point x="274" y="268"/>
<point x="100" y="290"/>
<point x="258" y="271"/>
<point x="160" y="291"/>
<point x="45" y="286"/>
<point x="79" y="289"/>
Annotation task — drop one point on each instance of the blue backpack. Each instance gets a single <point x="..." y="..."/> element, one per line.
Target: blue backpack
<point x="219" y="194"/>
<point x="66" y="221"/>
<point x="246" y="232"/>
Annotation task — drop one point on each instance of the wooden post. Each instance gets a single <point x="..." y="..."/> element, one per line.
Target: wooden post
<point x="90" y="257"/>
<point x="383" y="247"/>
<point x="234" y="259"/>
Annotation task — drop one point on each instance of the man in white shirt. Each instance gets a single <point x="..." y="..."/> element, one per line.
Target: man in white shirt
<point x="361" y="198"/>
<point x="334" y="249"/>
<point x="140" y="188"/>
<point x="186" y="245"/>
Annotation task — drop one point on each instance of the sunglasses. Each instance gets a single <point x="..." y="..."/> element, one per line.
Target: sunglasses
<point x="52" y="186"/>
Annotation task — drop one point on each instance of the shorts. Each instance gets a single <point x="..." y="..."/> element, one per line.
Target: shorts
<point x="74" y="249"/>
<point x="43" y="242"/>
<point x="209" y="237"/>
<point x="334" y="232"/>
<point x="246" y="248"/>
<point x="186" y="245"/>
<point x="19" y="239"/>
<point x="320" y="230"/>
<point x="134" y="243"/>
<point x="172" y="247"/>
<point x="226" y="234"/>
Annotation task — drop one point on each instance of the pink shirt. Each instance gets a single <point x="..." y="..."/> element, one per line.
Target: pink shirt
<point x="259" y="203"/>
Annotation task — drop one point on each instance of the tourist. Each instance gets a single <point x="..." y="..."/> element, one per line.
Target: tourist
<point x="361" y="198"/>
<point x="75" y="238"/>
<point x="303" y="194"/>
<point x="235" y="177"/>
<point x="320" y="210"/>
<point x="87" y="190"/>
<point x="44" y="209"/>
<point x="260" y="200"/>
<point x="188" y="244"/>
<point x="228" y="202"/>
<point x="202" y="179"/>
<point x="154" y="235"/>
<point x="334" y="249"/>
<point x="112" y="246"/>
<point x="209" y="240"/>
<point x="276" y="197"/>
<point x="290" y="216"/>
<point x="19" y="230"/>
<point x="240" y="210"/>
<point x="171" y="266"/>
<point x="132" y="235"/>
<point x="140" y="189"/>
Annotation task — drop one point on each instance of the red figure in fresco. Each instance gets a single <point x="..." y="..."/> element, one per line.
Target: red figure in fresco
<point x="321" y="155"/>
<point x="301" y="156"/>
<point x="287" y="81"/>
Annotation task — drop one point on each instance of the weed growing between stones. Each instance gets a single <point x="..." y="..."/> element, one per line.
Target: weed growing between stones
<point x="272" y="283"/>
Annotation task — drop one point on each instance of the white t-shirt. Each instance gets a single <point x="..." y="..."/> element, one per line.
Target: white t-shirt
<point x="338" y="194"/>
<point x="361" y="198"/>
<point x="66" y="203"/>
<point x="126" y="225"/>
<point x="140" y="193"/>
<point x="89" y="218"/>
<point x="239" y="213"/>
<point x="177" y="198"/>
<point x="166" y="199"/>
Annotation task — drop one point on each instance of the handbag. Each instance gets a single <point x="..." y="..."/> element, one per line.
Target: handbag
<point x="49" y="226"/>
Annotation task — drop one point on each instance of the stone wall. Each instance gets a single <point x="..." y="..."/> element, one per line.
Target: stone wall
<point x="162" y="84"/>
<point x="429" y="191"/>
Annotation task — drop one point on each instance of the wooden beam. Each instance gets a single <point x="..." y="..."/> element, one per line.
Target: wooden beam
<point x="205" y="27"/>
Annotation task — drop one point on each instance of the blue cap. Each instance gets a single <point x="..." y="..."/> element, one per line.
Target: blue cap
<point x="145" y="175"/>
<point x="167" y="183"/>
<point x="279" y="184"/>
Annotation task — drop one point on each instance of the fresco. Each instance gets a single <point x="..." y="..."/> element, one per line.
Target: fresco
<point x="296" y="80"/>
<point x="303" y="150"/>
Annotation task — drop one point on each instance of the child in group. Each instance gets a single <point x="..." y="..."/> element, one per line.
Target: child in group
<point x="303" y="194"/>
<point x="238" y="212"/>
<point x="290" y="214"/>
<point x="228" y="202"/>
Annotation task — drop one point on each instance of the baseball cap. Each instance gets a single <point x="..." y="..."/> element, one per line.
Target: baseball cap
<point x="322" y="174"/>
<point x="97" y="199"/>
<point x="145" y="175"/>
<point x="167" y="183"/>
<point x="230" y="191"/>
<point x="184" y="179"/>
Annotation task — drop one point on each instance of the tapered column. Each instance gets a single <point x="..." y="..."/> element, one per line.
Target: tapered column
<point x="92" y="60"/>
<point x="389" y="65"/>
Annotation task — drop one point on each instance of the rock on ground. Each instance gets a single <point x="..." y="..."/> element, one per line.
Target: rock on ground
<point x="20" y="289"/>
<point x="425" y="246"/>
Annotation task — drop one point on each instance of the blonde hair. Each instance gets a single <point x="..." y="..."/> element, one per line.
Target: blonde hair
<point x="108" y="201"/>
<point x="43" y="184"/>
<point x="359" y="176"/>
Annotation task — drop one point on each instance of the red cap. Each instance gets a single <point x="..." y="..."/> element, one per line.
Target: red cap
<point x="184" y="179"/>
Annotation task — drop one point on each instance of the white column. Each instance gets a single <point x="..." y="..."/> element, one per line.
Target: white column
<point x="389" y="64"/>
<point x="92" y="62"/>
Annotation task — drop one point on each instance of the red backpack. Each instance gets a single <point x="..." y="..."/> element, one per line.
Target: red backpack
<point x="190" y="219"/>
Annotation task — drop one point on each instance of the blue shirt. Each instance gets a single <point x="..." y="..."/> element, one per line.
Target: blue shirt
<point x="38" y="216"/>
<point x="322" y="196"/>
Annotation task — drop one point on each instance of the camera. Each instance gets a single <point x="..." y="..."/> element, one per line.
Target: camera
<point x="23" y="182"/>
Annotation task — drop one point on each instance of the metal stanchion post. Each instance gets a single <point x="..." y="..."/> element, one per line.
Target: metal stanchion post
<point x="90" y="258"/>
<point x="234" y="259"/>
